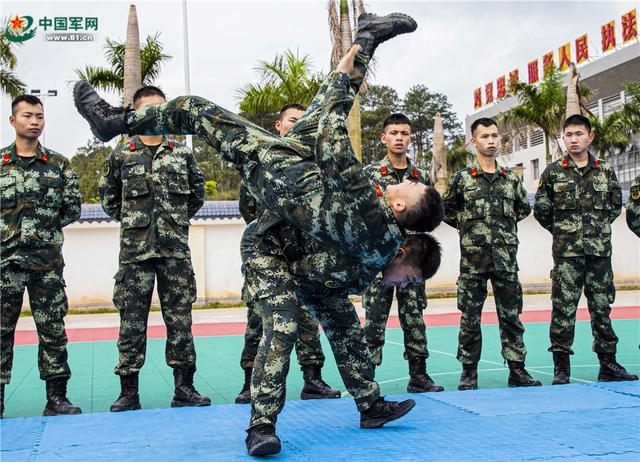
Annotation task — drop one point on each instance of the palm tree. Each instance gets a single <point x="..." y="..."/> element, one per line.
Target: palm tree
<point x="458" y="155"/>
<point x="9" y="83"/>
<point x="543" y="105"/>
<point x="286" y="79"/>
<point x="342" y="38"/>
<point x="111" y="78"/>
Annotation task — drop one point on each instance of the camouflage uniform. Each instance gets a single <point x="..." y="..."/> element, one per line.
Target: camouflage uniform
<point x="485" y="209"/>
<point x="633" y="207"/>
<point x="412" y="300"/>
<point x="308" y="347"/>
<point x="578" y="205"/>
<point x="153" y="196"/>
<point x="38" y="197"/>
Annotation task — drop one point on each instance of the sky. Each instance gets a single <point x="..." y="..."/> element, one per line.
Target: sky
<point x="457" y="47"/>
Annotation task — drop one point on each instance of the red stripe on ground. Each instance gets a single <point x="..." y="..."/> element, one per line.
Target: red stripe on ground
<point x="30" y="337"/>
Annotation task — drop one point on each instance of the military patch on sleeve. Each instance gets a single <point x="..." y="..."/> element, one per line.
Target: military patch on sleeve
<point x="106" y="168"/>
<point x="635" y="193"/>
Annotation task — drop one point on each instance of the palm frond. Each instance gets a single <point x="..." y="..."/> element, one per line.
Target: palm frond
<point x="10" y="84"/>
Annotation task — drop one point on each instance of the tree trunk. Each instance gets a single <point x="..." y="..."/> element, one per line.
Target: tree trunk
<point x="546" y="148"/>
<point x="438" y="158"/>
<point x="573" y="95"/>
<point x="132" y="67"/>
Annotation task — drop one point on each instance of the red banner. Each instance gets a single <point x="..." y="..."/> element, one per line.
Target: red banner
<point x="488" y="93"/>
<point x="477" y="98"/>
<point x="608" y="32"/>
<point x="582" y="48"/>
<point x="514" y="77"/>
<point x="564" y="57"/>
<point x="548" y="66"/>
<point x="533" y="71"/>
<point x="629" y="26"/>
<point x="501" y="86"/>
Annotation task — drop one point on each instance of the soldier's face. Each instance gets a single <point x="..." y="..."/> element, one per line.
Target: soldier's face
<point x="399" y="273"/>
<point x="397" y="138"/>
<point x="486" y="140"/>
<point x="288" y="120"/>
<point x="407" y="195"/>
<point x="577" y="139"/>
<point x="28" y="120"/>
<point x="151" y="100"/>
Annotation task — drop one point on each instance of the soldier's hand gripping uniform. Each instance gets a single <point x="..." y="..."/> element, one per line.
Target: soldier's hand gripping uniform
<point x="39" y="196"/>
<point x="633" y="207"/>
<point x="578" y="205"/>
<point x="412" y="299"/>
<point x="153" y="192"/>
<point x="308" y="346"/>
<point x="485" y="209"/>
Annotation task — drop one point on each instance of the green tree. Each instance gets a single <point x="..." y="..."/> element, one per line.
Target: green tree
<point x="88" y="163"/>
<point x="222" y="181"/>
<point x="376" y="104"/>
<point x="458" y="155"/>
<point x="111" y="78"/>
<point x="10" y="84"/>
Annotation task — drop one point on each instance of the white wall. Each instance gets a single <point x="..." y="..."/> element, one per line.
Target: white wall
<point x="91" y="255"/>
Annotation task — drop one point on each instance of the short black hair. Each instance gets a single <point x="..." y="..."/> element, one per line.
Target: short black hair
<point x="484" y="121"/>
<point x="427" y="215"/>
<point x="423" y="251"/>
<point x="29" y="99"/>
<point x="286" y="107"/>
<point x="577" y="119"/>
<point x="397" y="118"/>
<point x="147" y="90"/>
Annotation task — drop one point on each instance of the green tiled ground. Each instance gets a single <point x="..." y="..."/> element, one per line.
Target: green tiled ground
<point x="94" y="386"/>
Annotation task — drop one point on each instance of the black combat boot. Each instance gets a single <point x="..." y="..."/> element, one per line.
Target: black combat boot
<point x="611" y="370"/>
<point x="263" y="441"/>
<point x="561" y="369"/>
<point x="106" y="121"/>
<point x="129" y="399"/>
<point x="419" y="380"/>
<point x="315" y="387"/>
<point x="245" y="394"/>
<point x="469" y="377"/>
<point x="374" y="30"/>
<point x="384" y="411"/>
<point x="2" y="400"/>
<point x="520" y="377"/>
<point x="57" y="402"/>
<point x="185" y="394"/>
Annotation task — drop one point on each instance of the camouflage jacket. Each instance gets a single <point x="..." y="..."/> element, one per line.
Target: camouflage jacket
<point x="633" y="207"/>
<point x="37" y="201"/>
<point x="248" y="205"/>
<point x="152" y="197"/>
<point x="578" y="206"/>
<point x="485" y="209"/>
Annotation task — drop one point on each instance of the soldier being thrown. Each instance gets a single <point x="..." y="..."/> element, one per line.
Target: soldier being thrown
<point x="485" y="202"/>
<point x="153" y="186"/>
<point x="39" y="196"/>
<point x="577" y="200"/>
<point x="311" y="179"/>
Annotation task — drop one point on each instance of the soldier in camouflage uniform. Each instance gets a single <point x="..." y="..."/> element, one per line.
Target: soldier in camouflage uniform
<point x="484" y="202"/>
<point x="153" y="186"/>
<point x="412" y="299"/>
<point x="577" y="200"/>
<point x="39" y="195"/>
<point x="308" y="347"/>
<point x="633" y="207"/>
<point x="311" y="179"/>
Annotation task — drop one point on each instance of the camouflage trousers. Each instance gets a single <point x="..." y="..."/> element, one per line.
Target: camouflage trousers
<point x="308" y="347"/>
<point x="412" y="300"/>
<point x="49" y="307"/>
<point x="291" y="175"/>
<point x="568" y="277"/>
<point x="132" y="297"/>
<point x="278" y="298"/>
<point x="472" y="293"/>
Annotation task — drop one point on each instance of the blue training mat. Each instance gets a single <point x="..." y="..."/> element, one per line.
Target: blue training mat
<point x="571" y="423"/>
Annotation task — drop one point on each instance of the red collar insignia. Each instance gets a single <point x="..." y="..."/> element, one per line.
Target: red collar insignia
<point x="504" y="172"/>
<point x="383" y="170"/>
<point x="170" y="145"/>
<point x="6" y="158"/>
<point x="565" y="163"/>
<point x="44" y="157"/>
<point x="415" y="172"/>
<point x="132" y="146"/>
<point x="378" y="190"/>
<point x="597" y="164"/>
<point x="474" y="171"/>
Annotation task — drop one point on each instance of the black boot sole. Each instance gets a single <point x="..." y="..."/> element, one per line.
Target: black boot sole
<point x="467" y="387"/>
<point x="242" y="400"/>
<point x="379" y="422"/>
<point x="559" y="382"/>
<point x="178" y="403"/>
<point x="266" y="448"/>
<point x="135" y="407"/>
<point x="305" y="396"/>
<point x="51" y="413"/>
<point x="607" y="378"/>
<point x="523" y="385"/>
<point x="436" y="389"/>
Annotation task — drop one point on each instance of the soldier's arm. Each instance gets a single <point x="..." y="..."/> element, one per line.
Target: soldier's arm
<point x="110" y="187"/>
<point x="71" y="196"/>
<point x="196" y="185"/>
<point x="450" y="202"/>
<point x="523" y="208"/>
<point x="616" y="197"/>
<point x="543" y="206"/>
<point x="247" y="204"/>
